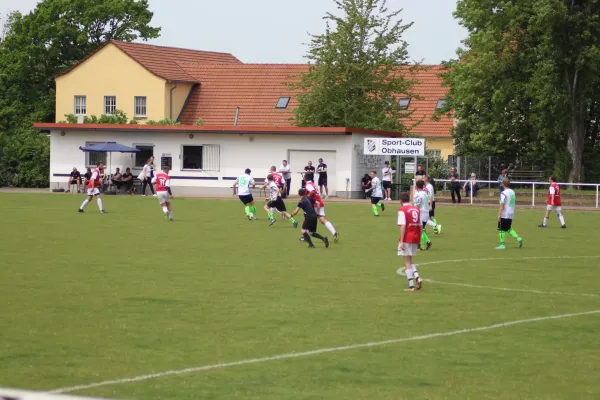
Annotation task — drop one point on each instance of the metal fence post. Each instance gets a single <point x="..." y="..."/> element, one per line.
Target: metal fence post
<point x="490" y="172"/>
<point x="471" y="191"/>
<point x="596" y="196"/>
<point x="533" y="195"/>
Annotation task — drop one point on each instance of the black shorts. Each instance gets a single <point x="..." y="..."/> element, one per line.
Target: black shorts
<point x="278" y="204"/>
<point x="310" y="224"/>
<point x="387" y="184"/>
<point x="246" y="199"/>
<point x="322" y="180"/>
<point x="505" y="225"/>
<point x="432" y="211"/>
<point x="375" y="200"/>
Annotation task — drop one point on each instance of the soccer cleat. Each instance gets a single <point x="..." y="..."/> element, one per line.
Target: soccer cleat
<point x="564" y="227"/>
<point x="80" y="210"/>
<point x="296" y="225"/>
<point x="170" y="219"/>
<point x="327" y="197"/>
<point x="428" y="246"/>
<point x="272" y="222"/>
<point x="376" y="215"/>
<point x="301" y="239"/>
<point x="501" y="247"/>
<point x="382" y="207"/>
<point x="154" y="195"/>
<point x="311" y="247"/>
<point x="336" y="237"/>
<point x="410" y="289"/>
<point x="326" y="240"/>
<point x="419" y="283"/>
<point x="250" y="217"/>
<point x="542" y="226"/>
<point x="438" y="228"/>
<point x="520" y="241"/>
<point x="103" y="212"/>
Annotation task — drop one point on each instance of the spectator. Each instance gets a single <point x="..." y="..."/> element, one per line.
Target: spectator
<point x="420" y="174"/>
<point x="117" y="178"/>
<point x="365" y="183"/>
<point x="76" y="179"/>
<point x="285" y="171"/>
<point x="503" y="176"/>
<point x="87" y="176"/>
<point x="127" y="181"/>
<point x="146" y="176"/>
<point x="308" y="169"/>
<point x="471" y="186"/>
<point x="387" y="178"/>
<point x="454" y="185"/>
<point x="322" y="169"/>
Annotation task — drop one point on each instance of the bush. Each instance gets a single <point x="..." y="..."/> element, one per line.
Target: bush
<point x="25" y="159"/>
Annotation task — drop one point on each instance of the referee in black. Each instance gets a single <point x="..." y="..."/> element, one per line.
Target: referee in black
<point x="309" y="226"/>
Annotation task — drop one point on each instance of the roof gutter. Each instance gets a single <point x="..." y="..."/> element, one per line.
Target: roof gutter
<point x="171" y="100"/>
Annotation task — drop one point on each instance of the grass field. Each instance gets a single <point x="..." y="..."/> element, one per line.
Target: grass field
<point x="88" y="298"/>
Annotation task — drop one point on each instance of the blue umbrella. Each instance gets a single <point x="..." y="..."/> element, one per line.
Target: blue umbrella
<point x="108" y="147"/>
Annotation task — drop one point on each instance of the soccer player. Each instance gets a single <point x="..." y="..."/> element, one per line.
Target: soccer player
<point x="423" y="201"/>
<point x="437" y="228"/>
<point x="309" y="226"/>
<point x="93" y="185"/>
<point x="313" y="192"/>
<point x="162" y="182"/>
<point x="409" y="221"/>
<point x="275" y="202"/>
<point x="388" y="179"/>
<point x="243" y="183"/>
<point x="554" y="204"/>
<point x="279" y="181"/>
<point x="506" y="213"/>
<point x="376" y="194"/>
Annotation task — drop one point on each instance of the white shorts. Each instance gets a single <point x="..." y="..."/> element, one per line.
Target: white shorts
<point x="163" y="197"/>
<point x="410" y="249"/>
<point x="321" y="212"/>
<point x="553" y="208"/>
<point x="93" y="192"/>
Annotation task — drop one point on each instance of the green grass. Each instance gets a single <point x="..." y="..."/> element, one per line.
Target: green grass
<point x="88" y="297"/>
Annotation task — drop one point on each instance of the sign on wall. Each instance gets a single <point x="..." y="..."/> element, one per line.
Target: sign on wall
<point x="394" y="147"/>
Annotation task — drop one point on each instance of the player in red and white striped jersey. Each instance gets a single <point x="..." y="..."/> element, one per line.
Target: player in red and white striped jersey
<point x="409" y="221"/>
<point x="162" y="180"/>
<point x="279" y="182"/>
<point x="93" y="189"/>
<point x="554" y="204"/>
<point x="313" y="192"/>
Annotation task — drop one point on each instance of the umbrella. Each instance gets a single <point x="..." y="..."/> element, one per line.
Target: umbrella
<point x="109" y="147"/>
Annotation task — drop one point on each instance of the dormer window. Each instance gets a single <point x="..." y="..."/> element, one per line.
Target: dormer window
<point x="404" y="103"/>
<point x="283" y="102"/>
<point x="440" y="104"/>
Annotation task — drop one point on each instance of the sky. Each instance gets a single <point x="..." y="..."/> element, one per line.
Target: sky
<point x="276" y="31"/>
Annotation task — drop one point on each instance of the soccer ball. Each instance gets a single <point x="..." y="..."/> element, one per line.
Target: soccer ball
<point x="250" y="216"/>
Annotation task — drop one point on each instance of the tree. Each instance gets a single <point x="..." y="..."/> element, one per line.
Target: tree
<point x="47" y="41"/>
<point x="528" y="82"/>
<point x="354" y="79"/>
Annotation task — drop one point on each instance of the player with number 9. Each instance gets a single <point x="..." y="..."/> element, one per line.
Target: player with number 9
<point x="409" y="221"/>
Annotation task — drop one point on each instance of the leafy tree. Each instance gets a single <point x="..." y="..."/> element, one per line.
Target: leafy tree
<point x="354" y="79"/>
<point x="527" y="86"/>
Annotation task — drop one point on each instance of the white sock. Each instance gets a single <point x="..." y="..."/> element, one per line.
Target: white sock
<point x="431" y="223"/>
<point x="562" y="219"/>
<point x="545" y="221"/>
<point x="165" y="209"/>
<point x="171" y="214"/>
<point x="99" y="201"/>
<point x="329" y="226"/>
<point x="410" y="277"/>
<point x="84" y="204"/>
<point x="414" y="270"/>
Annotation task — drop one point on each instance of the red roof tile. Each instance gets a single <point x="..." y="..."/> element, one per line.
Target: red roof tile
<point x="162" y="61"/>
<point x="256" y="88"/>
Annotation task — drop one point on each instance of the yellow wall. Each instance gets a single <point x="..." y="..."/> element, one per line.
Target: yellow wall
<point x="110" y="72"/>
<point x="445" y="144"/>
<point x="180" y="95"/>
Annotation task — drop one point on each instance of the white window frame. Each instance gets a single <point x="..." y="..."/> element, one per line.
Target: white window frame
<point x="402" y="107"/>
<point x="100" y="157"/>
<point x="136" y="106"/>
<point x="211" y="157"/>
<point x="107" y="105"/>
<point x="286" y="99"/>
<point x="441" y="103"/>
<point x="435" y="152"/>
<point x="82" y="99"/>
<point x="134" y="145"/>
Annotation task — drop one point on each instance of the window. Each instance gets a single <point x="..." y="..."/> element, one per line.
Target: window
<point x="283" y="102"/>
<point x="91" y="159"/>
<point x="140" y="106"/>
<point x="204" y="157"/>
<point x="110" y="105"/>
<point x="80" y="105"/>
<point x="435" y="153"/>
<point x="141" y="157"/>
<point x="440" y="104"/>
<point x="404" y="102"/>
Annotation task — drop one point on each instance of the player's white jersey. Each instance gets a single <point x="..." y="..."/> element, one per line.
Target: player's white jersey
<point x="378" y="191"/>
<point x="244" y="182"/>
<point x="507" y="197"/>
<point x="422" y="201"/>
<point x="273" y="195"/>
<point x="430" y="191"/>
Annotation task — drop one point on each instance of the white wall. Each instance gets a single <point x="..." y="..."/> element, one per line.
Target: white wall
<point x="237" y="152"/>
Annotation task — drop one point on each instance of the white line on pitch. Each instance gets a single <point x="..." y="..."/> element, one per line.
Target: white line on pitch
<point x="503" y="259"/>
<point x="316" y="352"/>
<point x="511" y="289"/>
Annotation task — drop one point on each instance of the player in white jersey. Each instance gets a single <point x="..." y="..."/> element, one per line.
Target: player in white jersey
<point x="243" y="184"/>
<point x="506" y="214"/>
<point x="437" y="228"/>
<point x="275" y="202"/>
<point x="423" y="201"/>
<point x="376" y="190"/>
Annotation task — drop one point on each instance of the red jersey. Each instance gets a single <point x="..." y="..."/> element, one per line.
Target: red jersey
<point x="278" y="179"/>
<point x="314" y="193"/>
<point x="163" y="181"/>
<point x="95" y="178"/>
<point x="410" y="217"/>
<point x="554" y="190"/>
